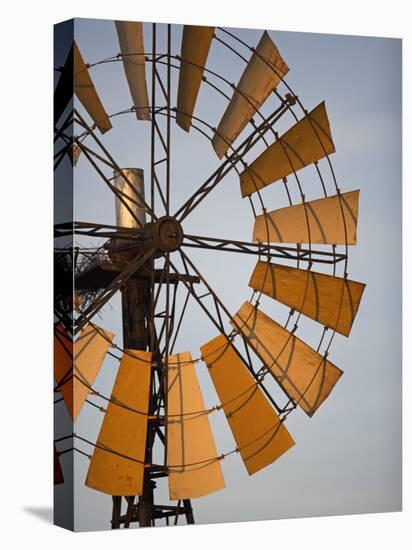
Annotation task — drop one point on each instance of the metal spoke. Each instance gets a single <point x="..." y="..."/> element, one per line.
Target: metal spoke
<point x="203" y="191"/>
<point x="220" y="308"/>
<point x="91" y="229"/>
<point x="79" y="119"/>
<point x="179" y="323"/>
<point x="262" y="249"/>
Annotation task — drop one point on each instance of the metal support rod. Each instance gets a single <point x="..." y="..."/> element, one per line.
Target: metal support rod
<point x="146" y="512"/>
<point x="262" y="249"/>
<point x="146" y="499"/>
<point x="117" y="510"/>
<point x="208" y="243"/>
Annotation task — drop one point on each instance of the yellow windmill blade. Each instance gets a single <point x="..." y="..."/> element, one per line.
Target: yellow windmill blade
<point x="75" y="78"/>
<point x="194" y="467"/>
<point x="309" y="140"/>
<point x="117" y="464"/>
<point x="331" y="220"/>
<point x="130" y="35"/>
<point x="74" y="378"/>
<point x="260" y="435"/>
<point x="195" y="47"/>
<point x="328" y="299"/>
<point x="262" y="74"/>
<point x="303" y="373"/>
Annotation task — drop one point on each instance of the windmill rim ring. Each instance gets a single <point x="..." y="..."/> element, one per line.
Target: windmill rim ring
<point x="149" y="59"/>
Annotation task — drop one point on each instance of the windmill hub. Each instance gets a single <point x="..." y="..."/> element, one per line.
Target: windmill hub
<point x="168" y="234"/>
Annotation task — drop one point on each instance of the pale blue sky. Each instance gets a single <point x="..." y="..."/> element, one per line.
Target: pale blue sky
<point x="347" y="458"/>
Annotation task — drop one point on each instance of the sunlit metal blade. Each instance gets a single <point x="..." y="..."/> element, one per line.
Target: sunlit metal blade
<point x="87" y="94"/>
<point x="189" y="436"/>
<point x="332" y="301"/>
<point x="303" y="373"/>
<point x="195" y="48"/>
<point x="260" y="435"/>
<point x="259" y="79"/>
<point x="131" y="43"/>
<point x="74" y="153"/>
<point x="63" y="351"/>
<point x="309" y="140"/>
<point x="332" y="220"/>
<point x="124" y="430"/>
<point x="89" y="350"/>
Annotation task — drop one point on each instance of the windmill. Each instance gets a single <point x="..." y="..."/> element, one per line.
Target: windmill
<point x="301" y="251"/>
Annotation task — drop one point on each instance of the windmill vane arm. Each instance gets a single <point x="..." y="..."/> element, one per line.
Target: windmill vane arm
<point x="261" y="249"/>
